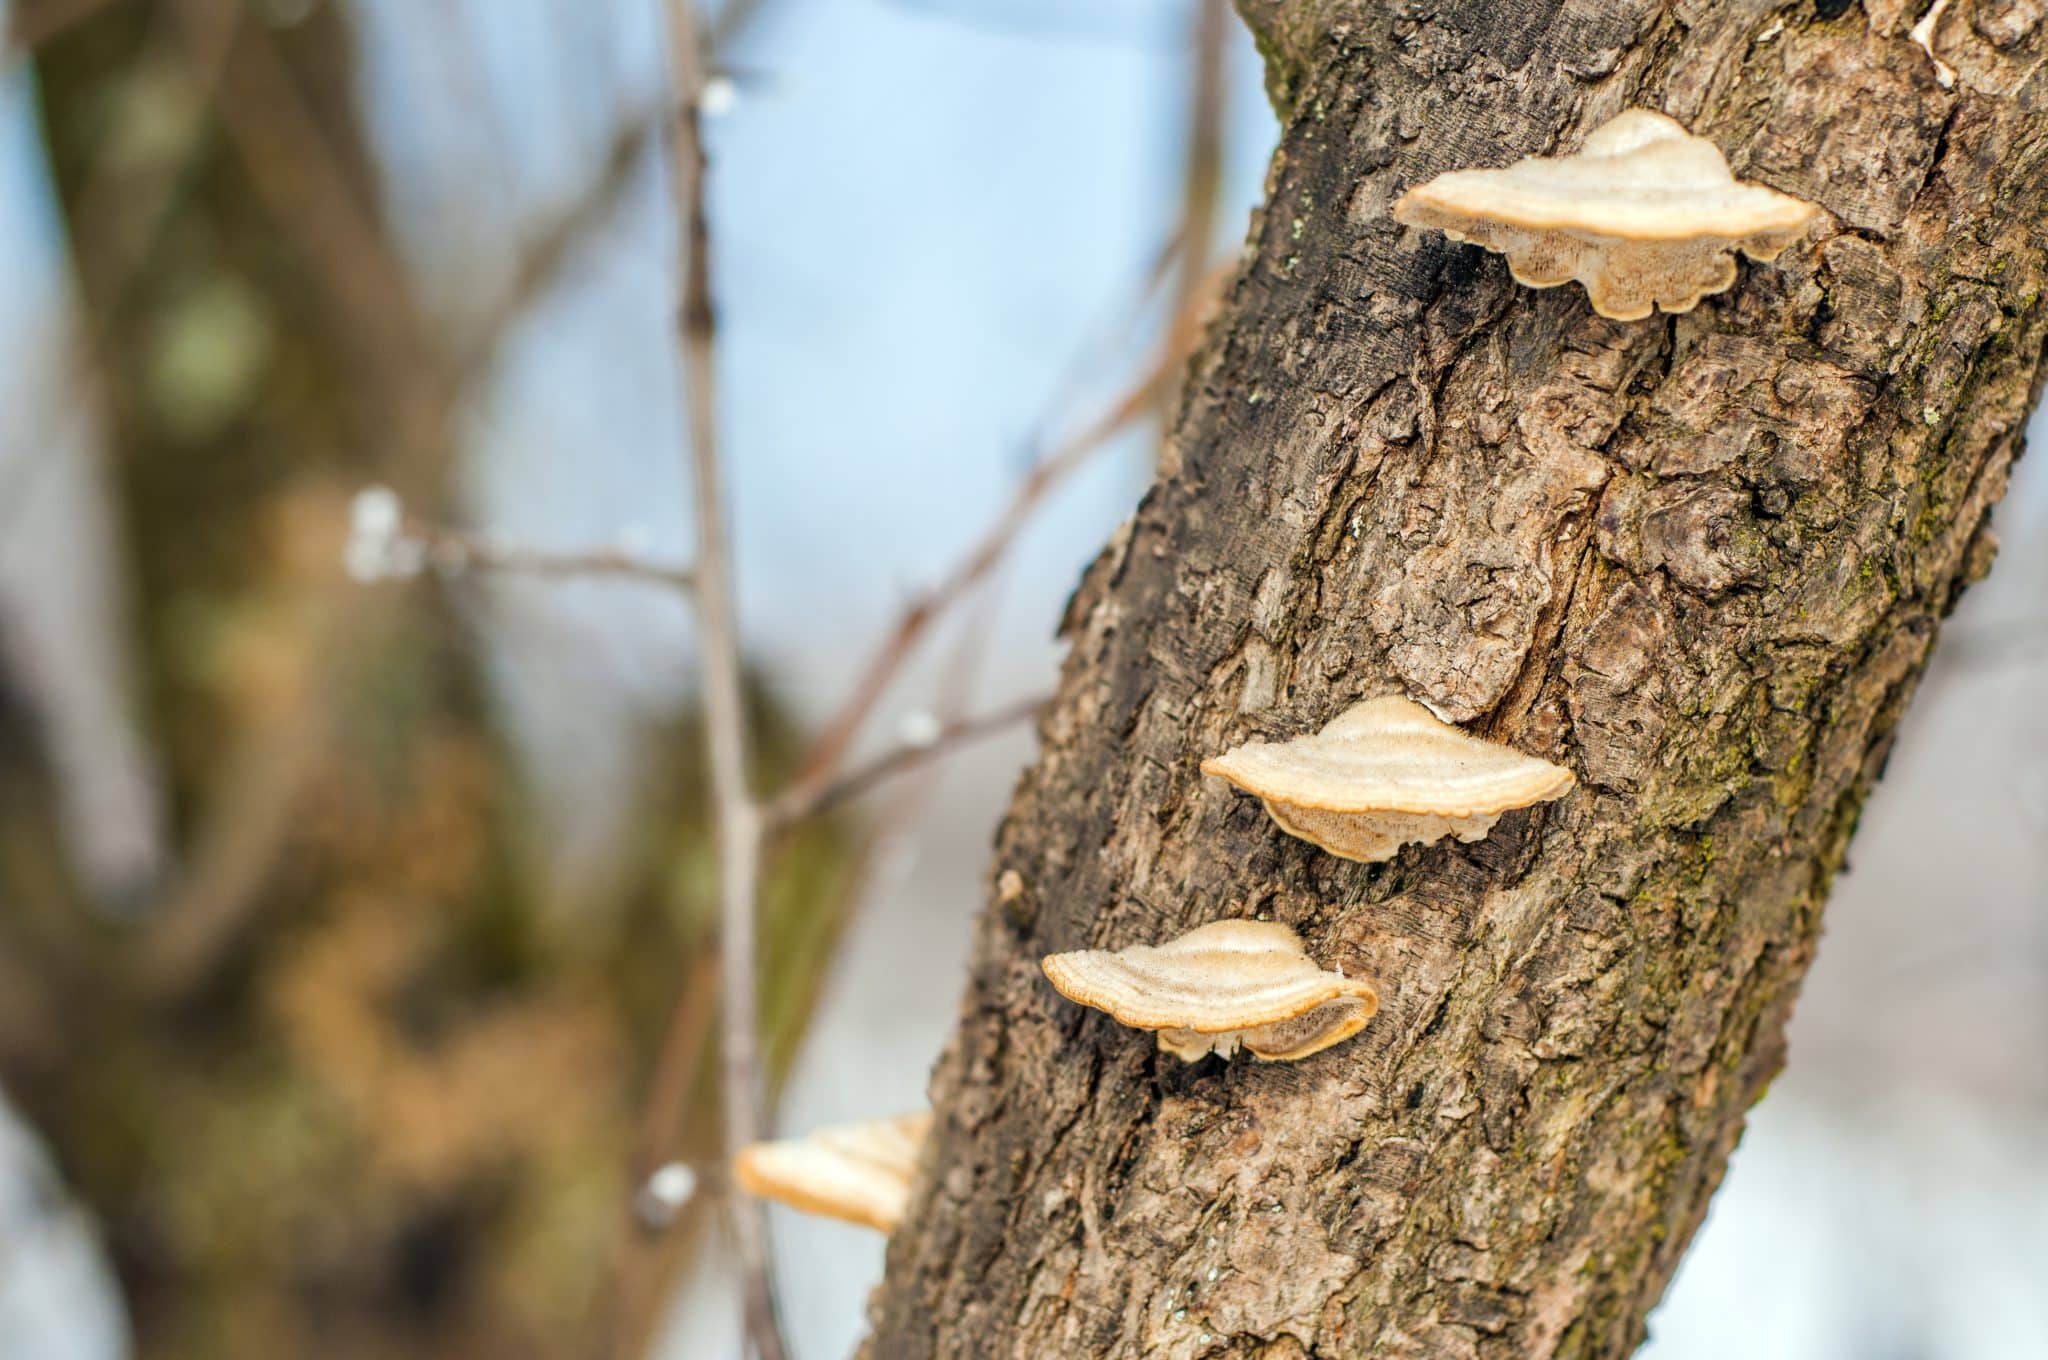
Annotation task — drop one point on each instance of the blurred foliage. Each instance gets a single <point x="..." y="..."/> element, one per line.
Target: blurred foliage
<point x="394" y="1116"/>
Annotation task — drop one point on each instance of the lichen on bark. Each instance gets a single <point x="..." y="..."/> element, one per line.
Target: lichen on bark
<point x="1700" y="559"/>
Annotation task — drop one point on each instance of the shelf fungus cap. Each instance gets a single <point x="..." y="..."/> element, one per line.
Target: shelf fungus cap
<point x="1218" y="987"/>
<point x="856" y="1172"/>
<point x="1646" y="215"/>
<point x="1385" y="773"/>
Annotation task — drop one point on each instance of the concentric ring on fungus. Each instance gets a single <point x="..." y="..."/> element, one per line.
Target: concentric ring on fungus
<point x="1222" y="985"/>
<point x="1387" y="773"/>
<point x="1646" y="215"/>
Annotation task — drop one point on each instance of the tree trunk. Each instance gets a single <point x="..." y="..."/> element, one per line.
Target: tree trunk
<point x="1699" y="559"/>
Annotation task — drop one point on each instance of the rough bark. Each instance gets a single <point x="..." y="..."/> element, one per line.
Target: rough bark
<point x="1701" y="559"/>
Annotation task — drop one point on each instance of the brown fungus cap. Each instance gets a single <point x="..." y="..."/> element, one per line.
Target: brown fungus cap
<point x="856" y="1172"/>
<point x="1646" y="215"/>
<point x="1385" y="773"/>
<point x="1219" y="986"/>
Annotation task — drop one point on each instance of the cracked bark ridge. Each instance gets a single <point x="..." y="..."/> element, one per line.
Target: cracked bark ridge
<point x="1700" y="559"/>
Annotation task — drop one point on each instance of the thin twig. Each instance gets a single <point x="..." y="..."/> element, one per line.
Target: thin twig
<point x="540" y="264"/>
<point x="839" y="732"/>
<point x="808" y="799"/>
<point x="885" y="853"/>
<point x="1201" y="193"/>
<point x="725" y="718"/>
<point x="830" y="749"/>
<point x="1202" y="179"/>
<point x="676" y="1067"/>
<point x="637" y="1271"/>
<point x="452" y="551"/>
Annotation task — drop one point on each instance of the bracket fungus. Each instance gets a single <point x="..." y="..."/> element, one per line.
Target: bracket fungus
<point x="1219" y="986"/>
<point x="1646" y="215"/>
<point x="856" y="1172"/>
<point x="1384" y="773"/>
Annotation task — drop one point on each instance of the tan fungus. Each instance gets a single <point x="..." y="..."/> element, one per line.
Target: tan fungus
<point x="1385" y="773"/>
<point x="1646" y="215"/>
<point x="856" y="1172"/>
<point x="1219" y="986"/>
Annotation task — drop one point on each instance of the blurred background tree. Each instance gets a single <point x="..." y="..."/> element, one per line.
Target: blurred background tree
<point x="344" y="1081"/>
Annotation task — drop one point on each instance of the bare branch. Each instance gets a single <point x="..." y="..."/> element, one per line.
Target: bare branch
<point x="921" y="613"/>
<point x="417" y="546"/>
<point x="1202" y="179"/>
<point x="883" y="859"/>
<point x="725" y="719"/>
<point x="637" y="1270"/>
<point x="540" y="265"/>
<point x="806" y="799"/>
<point x="1183" y="330"/>
<point x="449" y="551"/>
<point x="1197" y="283"/>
